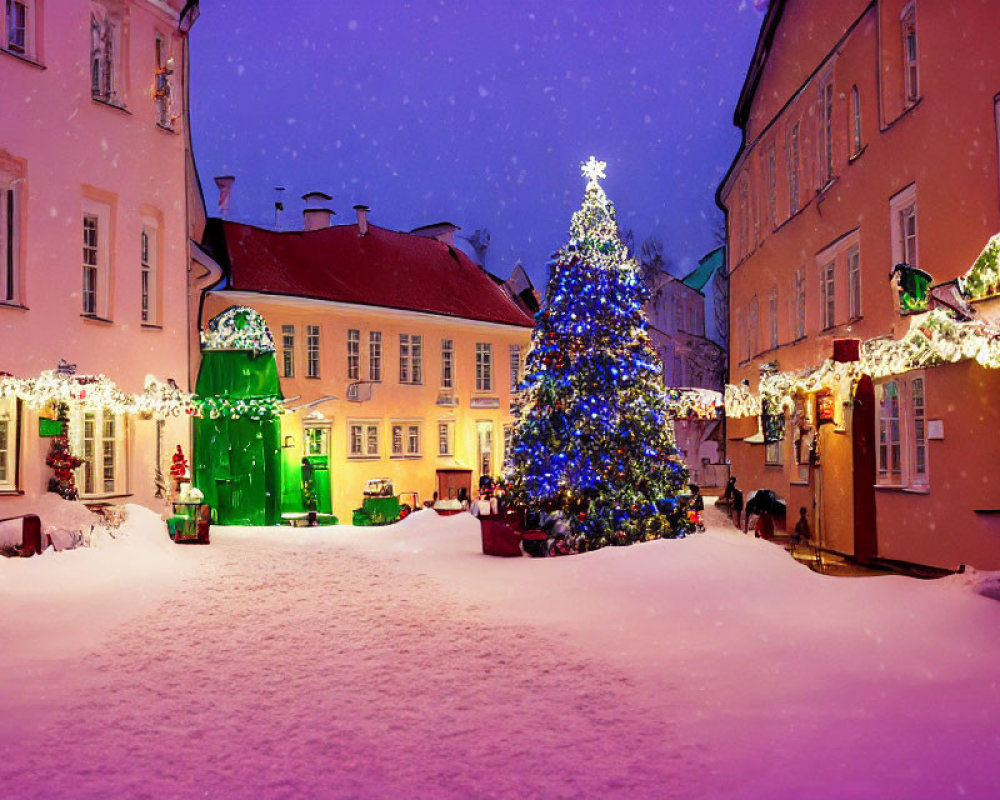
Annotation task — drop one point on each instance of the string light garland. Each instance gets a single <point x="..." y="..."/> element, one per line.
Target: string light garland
<point x="693" y="404"/>
<point x="238" y="328"/>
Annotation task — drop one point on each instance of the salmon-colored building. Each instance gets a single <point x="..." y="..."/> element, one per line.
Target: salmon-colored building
<point x="94" y="231"/>
<point x="398" y="356"/>
<point x="870" y="139"/>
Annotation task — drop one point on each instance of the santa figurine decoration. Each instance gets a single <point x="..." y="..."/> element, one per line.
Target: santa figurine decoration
<point x="178" y="468"/>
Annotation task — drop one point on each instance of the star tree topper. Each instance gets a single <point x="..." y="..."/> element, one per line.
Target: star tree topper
<point x="593" y="170"/>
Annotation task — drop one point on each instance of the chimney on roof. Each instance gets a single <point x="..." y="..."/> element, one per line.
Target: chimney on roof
<point x="316" y="214"/>
<point x="225" y="186"/>
<point x="444" y="232"/>
<point x="362" y="212"/>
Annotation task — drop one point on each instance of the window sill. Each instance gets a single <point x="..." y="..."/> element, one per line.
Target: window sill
<point x="100" y="101"/>
<point x="167" y="128"/>
<point x="150" y="326"/>
<point x="96" y="318"/>
<point x="16" y="306"/>
<point x="11" y="492"/>
<point x="903" y="489"/>
<point x="407" y="457"/>
<point x="97" y="499"/>
<point x="826" y="187"/>
<point x="312" y="377"/>
<point x="364" y="458"/>
<point x="410" y="383"/>
<point x="851" y="159"/>
<point x="24" y="59"/>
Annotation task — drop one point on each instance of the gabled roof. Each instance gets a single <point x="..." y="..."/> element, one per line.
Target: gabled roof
<point x="707" y="266"/>
<point x="383" y="268"/>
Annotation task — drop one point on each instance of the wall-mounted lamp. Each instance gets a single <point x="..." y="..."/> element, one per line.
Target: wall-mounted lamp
<point x="289" y="441"/>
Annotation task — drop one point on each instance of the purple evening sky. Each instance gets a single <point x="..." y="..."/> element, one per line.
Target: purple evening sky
<point x="474" y="112"/>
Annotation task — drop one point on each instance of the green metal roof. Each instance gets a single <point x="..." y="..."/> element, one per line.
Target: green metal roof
<point x="705" y="269"/>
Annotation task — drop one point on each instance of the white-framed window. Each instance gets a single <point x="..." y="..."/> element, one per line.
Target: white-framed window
<point x="508" y="431"/>
<point x="903" y="226"/>
<point x="902" y="432"/>
<point x="96" y="259"/>
<point x="149" y="272"/>
<point x="19" y="27"/>
<point x="375" y="356"/>
<point x="772" y="308"/>
<point x="105" y="56"/>
<point x="446" y="437"/>
<point x="484" y="367"/>
<point x="515" y="367"/>
<point x="793" y="169"/>
<point x="828" y="293"/>
<point x="362" y="439"/>
<point x="405" y="439"/>
<point x="447" y="363"/>
<point x="312" y="351"/>
<point x="854" y="283"/>
<point x="100" y="438"/>
<point x="855" y="120"/>
<point x="484" y="447"/>
<point x="10" y="238"/>
<point x="353" y="354"/>
<point x="410" y="358"/>
<point x="288" y="351"/>
<point x="908" y="28"/>
<point x="9" y="429"/>
<point x="752" y="326"/>
<point x="800" y="303"/>
<point x="826" y="130"/>
<point x="317" y="439"/>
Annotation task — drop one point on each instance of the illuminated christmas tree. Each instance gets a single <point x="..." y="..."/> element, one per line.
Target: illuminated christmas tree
<point x="591" y="438"/>
<point x="62" y="461"/>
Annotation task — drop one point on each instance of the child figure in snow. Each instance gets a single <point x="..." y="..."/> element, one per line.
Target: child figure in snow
<point x="697" y="512"/>
<point x="801" y="533"/>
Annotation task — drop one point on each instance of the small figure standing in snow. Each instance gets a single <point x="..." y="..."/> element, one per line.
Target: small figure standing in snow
<point x="463" y="498"/>
<point x="801" y="533"/>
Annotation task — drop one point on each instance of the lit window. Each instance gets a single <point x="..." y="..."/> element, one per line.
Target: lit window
<point x="854" y="283"/>
<point x="288" y="351"/>
<point x="484" y="367"/>
<point x="447" y="363"/>
<point x="163" y="87"/>
<point x="375" y="355"/>
<point x="410" y="359"/>
<point x="353" y="354"/>
<point x="908" y="23"/>
<point x="312" y="351"/>
<point x="100" y="441"/>
<point x="317" y="440"/>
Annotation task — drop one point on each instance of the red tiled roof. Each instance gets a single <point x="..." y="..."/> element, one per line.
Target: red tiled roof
<point x="383" y="268"/>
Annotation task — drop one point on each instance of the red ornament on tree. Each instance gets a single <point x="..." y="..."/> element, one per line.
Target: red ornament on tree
<point x="63" y="462"/>
<point x="178" y="467"/>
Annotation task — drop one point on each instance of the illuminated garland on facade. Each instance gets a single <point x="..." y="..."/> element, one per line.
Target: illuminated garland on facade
<point x="158" y="400"/>
<point x="238" y="328"/>
<point x="937" y="338"/>
<point x="694" y="404"/>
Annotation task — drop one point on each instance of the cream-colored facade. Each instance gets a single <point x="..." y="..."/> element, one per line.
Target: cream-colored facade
<point x="427" y="432"/>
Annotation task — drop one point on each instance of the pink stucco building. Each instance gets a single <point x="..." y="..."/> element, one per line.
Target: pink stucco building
<point x="94" y="231"/>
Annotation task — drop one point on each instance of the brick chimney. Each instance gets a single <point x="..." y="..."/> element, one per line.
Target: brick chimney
<point x="316" y="214"/>
<point x="362" y="212"/>
<point x="442" y="231"/>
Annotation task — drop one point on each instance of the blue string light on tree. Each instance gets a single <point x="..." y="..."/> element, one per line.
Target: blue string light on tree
<point x="591" y="437"/>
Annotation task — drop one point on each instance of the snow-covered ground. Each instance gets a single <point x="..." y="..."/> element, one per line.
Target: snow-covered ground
<point x="401" y="662"/>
